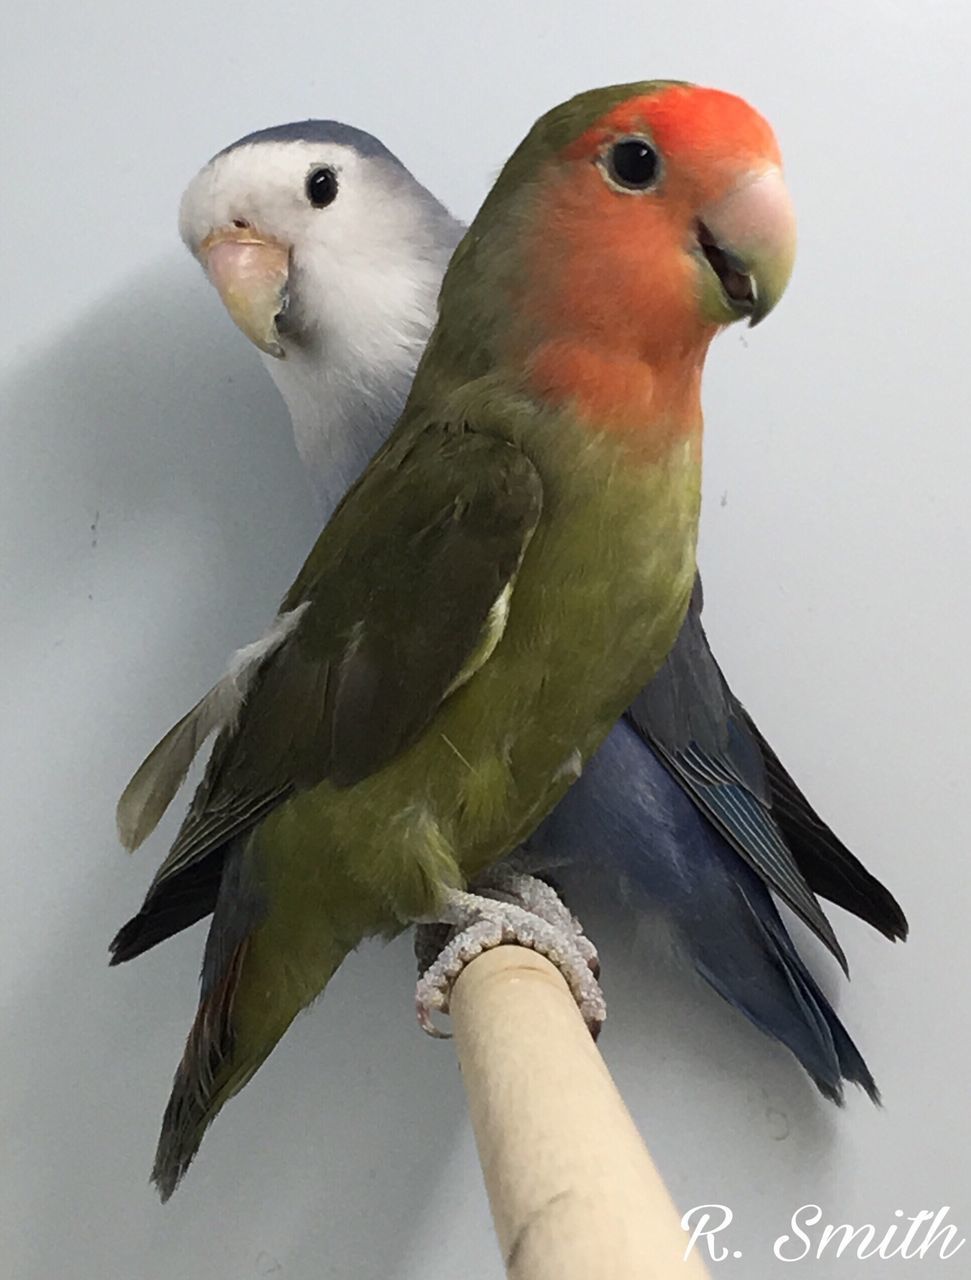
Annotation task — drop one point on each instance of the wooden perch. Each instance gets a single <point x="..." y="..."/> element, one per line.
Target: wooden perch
<point x="573" y="1190"/>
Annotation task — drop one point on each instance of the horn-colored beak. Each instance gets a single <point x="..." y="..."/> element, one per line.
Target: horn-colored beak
<point x="251" y="273"/>
<point x="747" y="240"/>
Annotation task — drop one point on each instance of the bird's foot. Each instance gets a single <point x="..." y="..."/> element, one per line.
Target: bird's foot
<point x="508" y="882"/>
<point x="508" y="908"/>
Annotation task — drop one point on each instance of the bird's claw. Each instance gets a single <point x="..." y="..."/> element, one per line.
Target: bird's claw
<point x="541" y="899"/>
<point x="491" y="918"/>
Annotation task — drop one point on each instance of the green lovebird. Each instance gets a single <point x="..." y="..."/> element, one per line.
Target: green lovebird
<point x="510" y="570"/>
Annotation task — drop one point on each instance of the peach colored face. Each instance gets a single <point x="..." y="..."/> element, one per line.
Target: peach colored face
<point x="667" y="218"/>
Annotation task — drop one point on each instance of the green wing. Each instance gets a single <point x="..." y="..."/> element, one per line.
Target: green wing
<point x="403" y="598"/>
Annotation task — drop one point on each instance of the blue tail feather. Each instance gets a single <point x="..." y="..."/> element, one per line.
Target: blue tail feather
<point x="629" y="823"/>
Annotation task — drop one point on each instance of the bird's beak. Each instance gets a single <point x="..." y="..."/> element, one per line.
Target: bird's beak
<point x="250" y="272"/>
<point x="746" y="242"/>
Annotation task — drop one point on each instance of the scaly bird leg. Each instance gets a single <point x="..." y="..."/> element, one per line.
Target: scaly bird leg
<point x="508" y="907"/>
<point x="508" y="881"/>
<point x="514" y="880"/>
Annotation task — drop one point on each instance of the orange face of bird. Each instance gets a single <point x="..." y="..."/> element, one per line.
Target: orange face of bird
<point x="663" y="220"/>
<point x="658" y="216"/>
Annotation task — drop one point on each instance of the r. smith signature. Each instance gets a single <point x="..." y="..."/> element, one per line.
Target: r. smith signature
<point x="928" y="1233"/>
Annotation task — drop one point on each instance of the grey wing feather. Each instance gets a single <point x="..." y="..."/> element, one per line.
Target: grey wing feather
<point x="690" y="717"/>
<point x="163" y="771"/>
<point x="833" y="871"/>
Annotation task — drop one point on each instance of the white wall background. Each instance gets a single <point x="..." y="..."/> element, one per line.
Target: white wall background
<point x="152" y="512"/>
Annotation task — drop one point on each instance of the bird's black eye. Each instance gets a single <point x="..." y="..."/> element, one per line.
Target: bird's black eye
<point x="321" y="187"/>
<point x="633" y="163"/>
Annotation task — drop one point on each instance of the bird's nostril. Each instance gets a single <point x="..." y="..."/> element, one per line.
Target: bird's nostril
<point x="241" y="223"/>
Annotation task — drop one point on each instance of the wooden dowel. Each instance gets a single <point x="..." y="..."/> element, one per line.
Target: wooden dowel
<point x="573" y="1190"/>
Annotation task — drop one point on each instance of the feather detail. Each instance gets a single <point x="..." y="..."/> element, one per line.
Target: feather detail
<point x="250" y="995"/>
<point x="161" y="774"/>
<point x="493" y="627"/>
<point x="195" y="1094"/>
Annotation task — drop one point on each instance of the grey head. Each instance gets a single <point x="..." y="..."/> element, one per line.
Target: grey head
<point x="327" y="132"/>
<point x="328" y="254"/>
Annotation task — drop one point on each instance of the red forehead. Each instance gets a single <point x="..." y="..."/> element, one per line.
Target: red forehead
<point x="687" y="121"/>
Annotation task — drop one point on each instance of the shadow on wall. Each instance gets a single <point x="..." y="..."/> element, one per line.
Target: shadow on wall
<point x="155" y="513"/>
